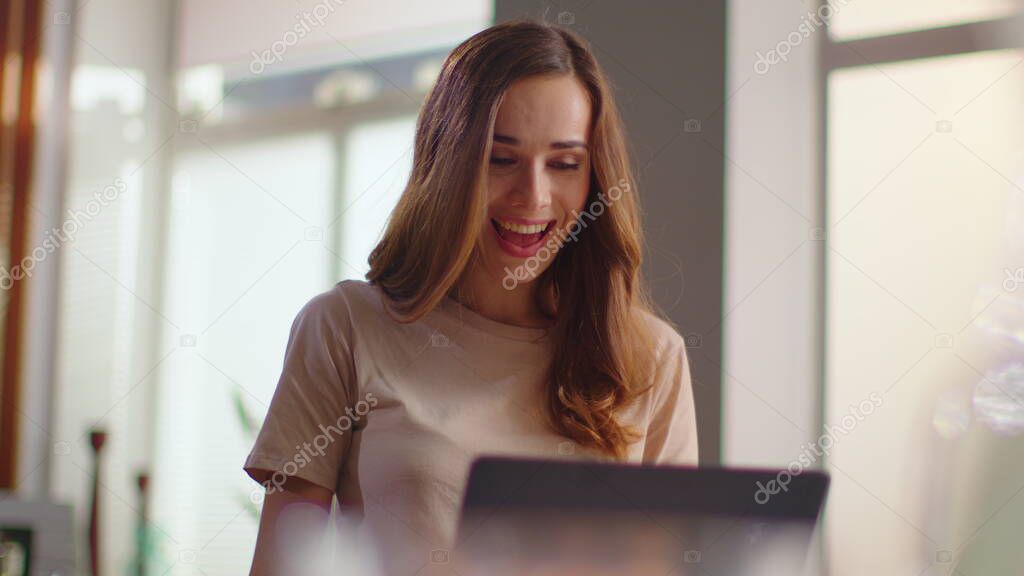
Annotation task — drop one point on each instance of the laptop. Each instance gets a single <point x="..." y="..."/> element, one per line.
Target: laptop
<point x="542" y="516"/>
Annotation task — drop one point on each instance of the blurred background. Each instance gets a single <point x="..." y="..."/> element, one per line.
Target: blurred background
<point x="834" y="208"/>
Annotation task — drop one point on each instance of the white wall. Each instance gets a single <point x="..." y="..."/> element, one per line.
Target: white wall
<point x="109" y="306"/>
<point x="772" y="272"/>
<point x="40" y="315"/>
<point x="313" y="33"/>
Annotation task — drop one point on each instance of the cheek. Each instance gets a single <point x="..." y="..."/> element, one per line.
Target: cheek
<point x="497" y="188"/>
<point x="576" y="196"/>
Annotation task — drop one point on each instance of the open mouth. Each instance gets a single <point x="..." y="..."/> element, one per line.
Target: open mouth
<point x="521" y="238"/>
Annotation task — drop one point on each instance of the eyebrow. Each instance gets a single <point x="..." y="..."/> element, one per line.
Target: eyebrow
<point x="556" y="145"/>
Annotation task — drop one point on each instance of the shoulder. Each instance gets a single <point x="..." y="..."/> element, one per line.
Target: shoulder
<point x="342" y="297"/>
<point x="356" y="288"/>
<point x="665" y="340"/>
<point x="669" y="369"/>
<point x="339" y="307"/>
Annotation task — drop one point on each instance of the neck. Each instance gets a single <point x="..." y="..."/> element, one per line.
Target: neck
<point x="486" y="296"/>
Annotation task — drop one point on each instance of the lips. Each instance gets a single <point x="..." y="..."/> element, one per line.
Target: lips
<point x="525" y="239"/>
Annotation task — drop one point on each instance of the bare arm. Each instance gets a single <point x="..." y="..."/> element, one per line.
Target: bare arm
<point x="314" y="503"/>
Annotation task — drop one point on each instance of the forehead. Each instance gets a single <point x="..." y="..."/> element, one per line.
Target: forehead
<point x="542" y="109"/>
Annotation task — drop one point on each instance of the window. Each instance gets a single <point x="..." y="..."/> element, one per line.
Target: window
<point x="378" y="160"/>
<point x="283" y="179"/>
<point x="244" y="254"/>
<point x="861" y="18"/>
<point x="925" y="184"/>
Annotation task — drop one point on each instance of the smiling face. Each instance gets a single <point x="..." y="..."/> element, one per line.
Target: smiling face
<point x="538" y="175"/>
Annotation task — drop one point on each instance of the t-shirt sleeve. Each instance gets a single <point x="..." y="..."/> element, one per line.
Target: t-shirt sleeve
<point x="672" y="429"/>
<point x="307" y="432"/>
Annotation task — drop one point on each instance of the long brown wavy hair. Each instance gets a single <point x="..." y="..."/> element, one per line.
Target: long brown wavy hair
<point x="592" y="291"/>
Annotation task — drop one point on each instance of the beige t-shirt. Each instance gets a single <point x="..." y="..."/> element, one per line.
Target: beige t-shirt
<point x="389" y="416"/>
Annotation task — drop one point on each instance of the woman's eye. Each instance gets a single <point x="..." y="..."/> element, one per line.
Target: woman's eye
<point x="556" y="165"/>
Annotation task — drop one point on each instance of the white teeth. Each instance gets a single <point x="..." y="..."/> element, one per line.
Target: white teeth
<point x="521" y="228"/>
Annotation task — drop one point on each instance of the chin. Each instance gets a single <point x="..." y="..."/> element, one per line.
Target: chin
<point x="512" y="273"/>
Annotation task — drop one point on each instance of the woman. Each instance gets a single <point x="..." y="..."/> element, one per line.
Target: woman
<point x="504" y="312"/>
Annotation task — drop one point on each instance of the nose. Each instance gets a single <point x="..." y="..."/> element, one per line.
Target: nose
<point x="532" y="190"/>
